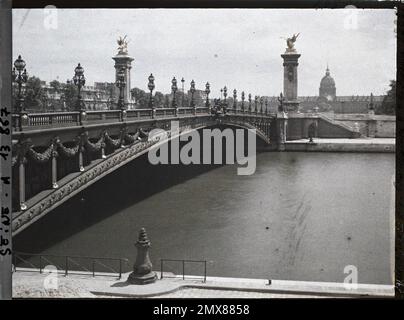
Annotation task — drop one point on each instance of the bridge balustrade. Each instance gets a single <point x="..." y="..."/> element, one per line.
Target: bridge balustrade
<point x="163" y="112"/>
<point x="202" y="110"/>
<point x="139" y="113"/>
<point x="103" y="115"/>
<point x="44" y="119"/>
<point x="56" y="119"/>
<point x="186" y="110"/>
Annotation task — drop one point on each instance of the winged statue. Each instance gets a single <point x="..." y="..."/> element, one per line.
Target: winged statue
<point x="122" y="45"/>
<point x="291" y="43"/>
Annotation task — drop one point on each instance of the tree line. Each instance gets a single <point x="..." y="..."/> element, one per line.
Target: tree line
<point x="37" y="99"/>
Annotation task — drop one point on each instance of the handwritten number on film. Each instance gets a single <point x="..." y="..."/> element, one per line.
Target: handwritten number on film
<point x="5" y="219"/>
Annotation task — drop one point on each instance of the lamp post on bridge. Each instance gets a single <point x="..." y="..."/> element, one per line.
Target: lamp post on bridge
<point x="183" y="92"/>
<point x="249" y="103"/>
<point x="121" y="83"/>
<point x="207" y="91"/>
<point x="151" y="87"/>
<point x="174" y="89"/>
<point x="235" y="101"/>
<point x="192" y="89"/>
<point x="242" y="101"/>
<point x="79" y="80"/>
<point x="261" y="105"/>
<point x="20" y="77"/>
<point x="266" y="106"/>
<point x="225" y="99"/>
<point x="256" y="105"/>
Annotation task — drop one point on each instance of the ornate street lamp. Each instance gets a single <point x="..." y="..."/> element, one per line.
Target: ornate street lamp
<point x="249" y="103"/>
<point x="235" y="100"/>
<point x="151" y="87"/>
<point x="256" y="104"/>
<point x="121" y="83"/>
<point x="79" y="80"/>
<point x="45" y="101"/>
<point x="192" y="89"/>
<point x="281" y="99"/>
<point x="371" y="104"/>
<point x="242" y="101"/>
<point x="20" y="76"/>
<point x="183" y="92"/>
<point x="266" y="106"/>
<point x="62" y="102"/>
<point x="207" y="91"/>
<point x="261" y="105"/>
<point x="174" y="89"/>
<point x="225" y="96"/>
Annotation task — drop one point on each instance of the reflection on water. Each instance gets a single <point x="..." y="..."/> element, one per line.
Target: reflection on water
<point x="301" y="216"/>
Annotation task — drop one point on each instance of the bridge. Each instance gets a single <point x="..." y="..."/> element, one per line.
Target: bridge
<point x="57" y="155"/>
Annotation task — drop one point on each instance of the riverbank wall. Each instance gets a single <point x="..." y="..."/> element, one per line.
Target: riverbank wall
<point x="360" y="145"/>
<point x="342" y="145"/>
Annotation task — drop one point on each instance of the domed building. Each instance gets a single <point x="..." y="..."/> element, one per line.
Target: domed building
<point x="327" y="87"/>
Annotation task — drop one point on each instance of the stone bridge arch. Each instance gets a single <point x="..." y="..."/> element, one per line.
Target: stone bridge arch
<point x="139" y="144"/>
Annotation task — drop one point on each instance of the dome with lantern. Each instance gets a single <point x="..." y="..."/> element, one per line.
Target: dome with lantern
<point x="327" y="87"/>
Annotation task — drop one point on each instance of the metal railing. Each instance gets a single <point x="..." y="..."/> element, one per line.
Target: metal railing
<point x="70" y="263"/>
<point x="183" y="266"/>
<point x="46" y="119"/>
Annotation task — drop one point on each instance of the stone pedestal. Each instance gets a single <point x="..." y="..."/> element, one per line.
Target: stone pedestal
<point x="290" y="63"/>
<point x="142" y="269"/>
<point x="371" y="124"/>
<point x="281" y="128"/>
<point x="123" y="61"/>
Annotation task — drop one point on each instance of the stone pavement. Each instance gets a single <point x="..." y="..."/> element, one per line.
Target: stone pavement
<point x="31" y="283"/>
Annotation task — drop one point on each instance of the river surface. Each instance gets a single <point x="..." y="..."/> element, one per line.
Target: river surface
<point x="301" y="216"/>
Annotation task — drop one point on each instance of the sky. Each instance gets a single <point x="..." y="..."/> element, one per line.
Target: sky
<point x="237" y="48"/>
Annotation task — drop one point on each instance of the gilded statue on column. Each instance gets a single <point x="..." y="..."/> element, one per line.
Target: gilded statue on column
<point x="290" y="42"/>
<point x="122" y="45"/>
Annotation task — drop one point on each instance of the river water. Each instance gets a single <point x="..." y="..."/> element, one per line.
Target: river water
<point x="301" y="216"/>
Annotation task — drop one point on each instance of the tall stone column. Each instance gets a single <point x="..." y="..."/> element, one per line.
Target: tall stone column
<point x="123" y="61"/>
<point x="290" y="63"/>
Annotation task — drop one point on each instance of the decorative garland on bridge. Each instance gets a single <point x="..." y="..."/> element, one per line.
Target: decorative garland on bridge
<point x="116" y="143"/>
<point x="143" y="135"/>
<point x="68" y="152"/>
<point x="57" y="145"/>
<point x="93" y="147"/>
<point x="41" y="157"/>
<point x="130" y="139"/>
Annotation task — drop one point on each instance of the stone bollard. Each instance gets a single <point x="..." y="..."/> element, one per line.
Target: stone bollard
<point x="142" y="269"/>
